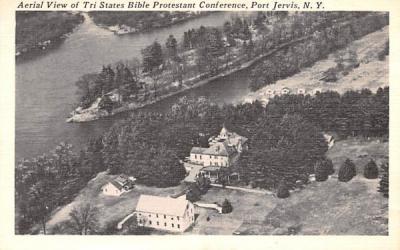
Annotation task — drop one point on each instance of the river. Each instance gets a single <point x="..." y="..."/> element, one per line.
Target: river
<point x="46" y="91"/>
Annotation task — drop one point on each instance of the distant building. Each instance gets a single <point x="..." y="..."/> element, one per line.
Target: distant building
<point x="165" y="213"/>
<point x="285" y="91"/>
<point x="301" y="91"/>
<point x="118" y="186"/>
<point x="224" y="150"/>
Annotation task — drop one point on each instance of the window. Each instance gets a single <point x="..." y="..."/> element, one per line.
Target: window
<point x="158" y="223"/>
<point x="149" y="215"/>
<point x="157" y="215"/>
<point x="177" y="217"/>
<point x="200" y="157"/>
<point x="195" y="156"/>
<point x="150" y="222"/>
<point x="165" y="224"/>
<point x="172" y="224"/>
<point x="165" y="216"/>
<point x="210" y="156"/>
<point x="179" y="226"/>
<point x="172" y="218"/>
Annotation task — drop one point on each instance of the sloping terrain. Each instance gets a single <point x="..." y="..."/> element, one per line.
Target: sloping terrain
<point x="372" y="72"/>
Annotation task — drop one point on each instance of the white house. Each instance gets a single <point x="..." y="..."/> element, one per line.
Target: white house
<point x="223" y="151"/>
<point x="165" y="213"/>
<point x="118" y="186"/>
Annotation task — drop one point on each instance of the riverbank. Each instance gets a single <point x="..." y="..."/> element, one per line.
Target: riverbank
<point x="121" y="24"/>
<point x="94" y="112"/>
<point x="40" y="31"/>
<point x="162" y="85"/>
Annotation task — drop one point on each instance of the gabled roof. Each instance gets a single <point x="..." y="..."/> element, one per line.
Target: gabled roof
<point x="116" y="184"/>
<point x="197" y="150"/>
<point x="161" y="205"/>
<point x="220" y="149"/>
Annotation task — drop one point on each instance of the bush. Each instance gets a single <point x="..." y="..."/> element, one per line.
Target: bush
<point x="283" y="190"/>
<point x="347" y="171"/>
<point x="323" y="168"/>
<point x="371" y="170"/>
<point x="226" y="207"/>
<point x="384" y="183"/>
<point x="194" y="193"/>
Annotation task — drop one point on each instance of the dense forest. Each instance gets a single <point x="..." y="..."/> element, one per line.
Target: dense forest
<point x="35" y="28"/>
<point x="285" y="142"/>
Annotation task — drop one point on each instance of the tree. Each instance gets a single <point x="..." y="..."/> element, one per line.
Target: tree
<point x="40" y="203"/>
<point x="171" y="44"/>
<point x="194" y="193"/>
<point x="226" y="207"/>
<point x="283" y="190"/>
<point x="384" y="182"/>
<point x="152" y="57"/>
<point x="371" y="170"/>
<point x="88" y="90"/>
<point x="321" y="171"/>
<point x="347" y="171"/>
<point x="83" y="219"/>
<point x="323" y="168"/>
<point x="203" y="183"/>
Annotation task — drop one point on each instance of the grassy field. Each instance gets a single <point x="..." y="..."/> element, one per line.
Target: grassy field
<point x="372" y="72"/>
<point x="322" y="208"/>
<point x="110" y="208"/>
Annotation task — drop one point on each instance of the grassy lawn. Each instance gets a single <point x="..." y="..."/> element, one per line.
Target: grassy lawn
<point x="331" y="207"/>
<point x="110" y="208"/>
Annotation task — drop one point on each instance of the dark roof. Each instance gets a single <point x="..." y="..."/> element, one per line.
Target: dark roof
<point x="116" y="184"/>
<point x="197" y="150"/>
<point x="220" y="149"/>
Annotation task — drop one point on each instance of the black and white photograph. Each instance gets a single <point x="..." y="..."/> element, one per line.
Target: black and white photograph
<point x="201" y="123"/>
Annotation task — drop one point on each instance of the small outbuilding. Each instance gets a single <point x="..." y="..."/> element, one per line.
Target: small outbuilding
<point x="118" y="186"/>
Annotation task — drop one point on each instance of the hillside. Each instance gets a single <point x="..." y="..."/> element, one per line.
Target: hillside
<point x="372" y="73"/>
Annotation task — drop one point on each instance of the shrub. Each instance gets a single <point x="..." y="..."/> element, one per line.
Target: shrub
<point x="194" y="193"/>
<point x="322" y="170"/>
<point x="347" y="171"/>
<point x="283" y="190"/>
<point x="371" y="170"/>
<point x="384" y="182"/>
<point x="226" y="207"/>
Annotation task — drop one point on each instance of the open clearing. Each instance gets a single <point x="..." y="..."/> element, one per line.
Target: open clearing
<point x="327" y="208"/>
<point x="372" y="73"/>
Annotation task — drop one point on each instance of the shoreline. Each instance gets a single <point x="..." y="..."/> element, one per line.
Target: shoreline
<point x="43" y="46"/>
<point x="91" y="116"/>
<point x="133" y="31"/>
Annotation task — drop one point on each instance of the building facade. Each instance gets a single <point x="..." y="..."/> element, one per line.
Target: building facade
<point x="222" y="152"/>
<point x="165" y="213"/>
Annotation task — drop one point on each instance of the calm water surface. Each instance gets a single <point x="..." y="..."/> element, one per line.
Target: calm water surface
<point x="46" y="91"/>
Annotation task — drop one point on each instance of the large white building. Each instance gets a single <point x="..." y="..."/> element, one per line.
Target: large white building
<point x="165" y="213"/>
<point x="222" y="152"/>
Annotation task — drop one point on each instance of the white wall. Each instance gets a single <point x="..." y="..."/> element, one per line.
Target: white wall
<point x="167" y="222"/>
<point x="210" y="160"/>
<point x="111" y="190"/>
